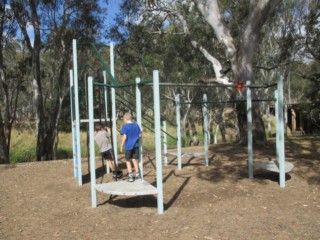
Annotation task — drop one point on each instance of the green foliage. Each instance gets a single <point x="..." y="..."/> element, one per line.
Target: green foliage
<point x="145" y="46"/>
<point x="19" y="155"/>
<point x="145" y="42"/>
<point x="23" y="146"/>
<point x="23" y="143"/>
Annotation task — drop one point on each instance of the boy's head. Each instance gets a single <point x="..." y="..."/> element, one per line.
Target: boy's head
<point x="98" y="127"/>
<point x="127" y="117"/>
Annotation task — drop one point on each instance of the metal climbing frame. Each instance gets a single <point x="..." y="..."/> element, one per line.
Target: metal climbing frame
<point x="75" y="115"/>
<point x="140" y="187"/>
<point x="144" y="187"/>
<point x="279" y="103"/>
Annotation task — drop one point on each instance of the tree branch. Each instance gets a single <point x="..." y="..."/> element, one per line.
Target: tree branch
<point x="211" y="13"/>
<point x="215" y="63"/>
<point x="225" y="38"/>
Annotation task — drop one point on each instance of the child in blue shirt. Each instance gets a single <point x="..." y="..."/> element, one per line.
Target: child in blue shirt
<point x="131" y="134"/>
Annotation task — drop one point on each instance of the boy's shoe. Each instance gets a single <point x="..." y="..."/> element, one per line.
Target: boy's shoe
<point x="130" y="178"/>
<point x="117" y="174"/>
<point x="137" y="177"/>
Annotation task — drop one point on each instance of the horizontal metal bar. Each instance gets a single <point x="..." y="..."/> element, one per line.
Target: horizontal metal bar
<point x="94" y="120"/>
<point x="97" y="44"/>
<point x="122" y="85"/>
<point x="233" y="85"/>
<point x="231" y="101"/>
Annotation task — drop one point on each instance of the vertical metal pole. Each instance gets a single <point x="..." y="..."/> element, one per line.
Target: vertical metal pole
<point x="91" y="144"/>
<point x="106" y="110"/>
<point x="114" y="112"/>
<point x="249" y="126"/>
<point x="177" y="98"/>
<point x="282" y="177"/>
<point x="276" y="109"/>
<point x="205" y="129"/>
<point x="157" y="130"/>
<point x="85" y="80"/>
<point x="165" y="146"/>
<point x="73" y="126"/>
<point x="139" y="121"/>
<point x="77" y="115"/>
<point x="105" y="96"/>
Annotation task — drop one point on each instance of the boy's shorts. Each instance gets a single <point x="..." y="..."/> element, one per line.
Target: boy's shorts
<point x="107" y="155"/>
<point x="132" y="154"/>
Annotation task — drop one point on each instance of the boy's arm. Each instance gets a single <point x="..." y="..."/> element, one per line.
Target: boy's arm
<point x="124" y="137"/>
<point x="141" y="131"/>
<point x="108" y="130"/>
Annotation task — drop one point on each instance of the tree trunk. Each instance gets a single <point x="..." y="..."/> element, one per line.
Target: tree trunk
<point x="4" y="149"/>
<point x="241" y="58"/>
<point x="187" y="131"/>
<point x="221" y="124"/>
<point x="4" y="141"/>
<point x="183" y="130"/>
<point x="210" y="123"/>
<point x="20" y="14"/>
<point x="215" y="141"/>
<point x="51" y="139"/>
<point x="242" y="67"/>
<point x="269" y="121"/>
<point x="37" y="86"/>
<point x="185" y="123"/>
<point x="258" y="130"/>
<point x="195" y="139"/>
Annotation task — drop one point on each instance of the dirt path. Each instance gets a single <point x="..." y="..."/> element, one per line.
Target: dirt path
<point x="44" y="201"/>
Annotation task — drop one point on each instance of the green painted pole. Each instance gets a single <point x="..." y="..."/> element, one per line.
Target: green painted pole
<point x="157" y="135"/>
<point x="125" y="85"/>
<point x="93" y="45"/>
<point x="249" y="126"/>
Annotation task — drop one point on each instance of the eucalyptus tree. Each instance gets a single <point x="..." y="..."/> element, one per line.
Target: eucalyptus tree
<point x="26" y="12"/>
<point x="54" y="24"/>
<point x="66" y="20"/>
<point x="312" y="30"/>
<point x="143" y="47"/>
<point x="4" y="150"/>
<point x="290" y="44"/>
<point x="236" y="27"/>
<point x="4" y="109"/>
<point x="311" y="54"/>
<point x="10" y="81"/>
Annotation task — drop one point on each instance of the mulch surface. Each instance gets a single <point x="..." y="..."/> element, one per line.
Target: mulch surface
<point x="44" y="201"/>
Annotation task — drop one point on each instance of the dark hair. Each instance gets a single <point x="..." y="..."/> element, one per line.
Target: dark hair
<point x="98" y="127"/>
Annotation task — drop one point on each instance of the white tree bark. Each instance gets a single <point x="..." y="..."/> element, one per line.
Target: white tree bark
<point x="241" y="56"/>
<point x="220" y="78"/>
<point x="216" y="134"/>
<point x="211" y="12"/>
